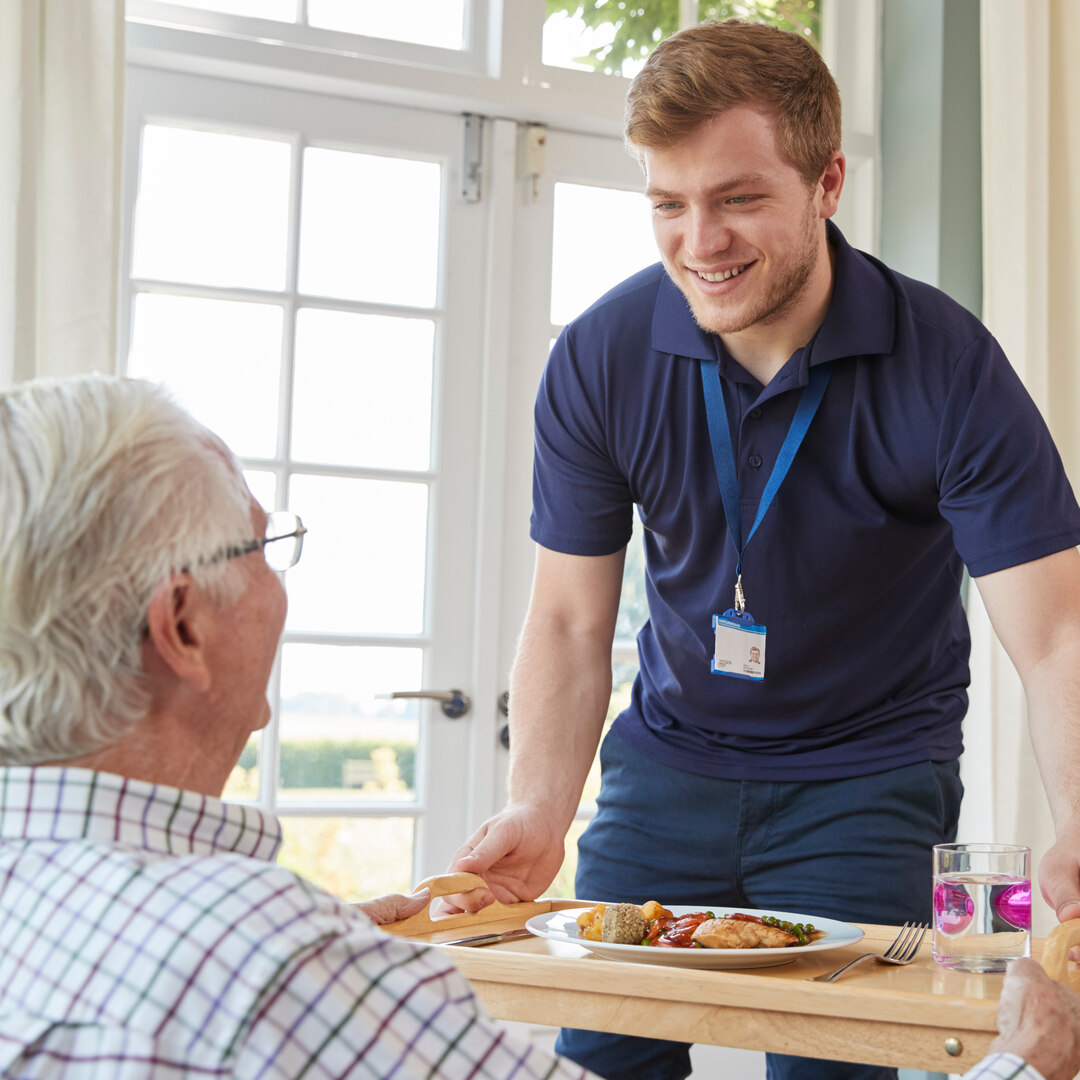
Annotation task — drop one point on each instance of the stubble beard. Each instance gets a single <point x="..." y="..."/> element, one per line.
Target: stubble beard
<point x="777" y="302"/>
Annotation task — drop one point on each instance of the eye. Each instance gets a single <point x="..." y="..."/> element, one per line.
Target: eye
<point x="665" y="207"/>
<point x="739" y="200"/>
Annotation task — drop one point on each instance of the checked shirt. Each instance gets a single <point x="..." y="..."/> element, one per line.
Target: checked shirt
<point x="1002" y="1067"/>
<point x="146" y="932"/>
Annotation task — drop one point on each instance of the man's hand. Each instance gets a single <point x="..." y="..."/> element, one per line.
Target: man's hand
<point x="1059" y="873"/>
<point x="1039" y="1020"/>
<point x="517" y="852"/>
<point x="391" y="908"/>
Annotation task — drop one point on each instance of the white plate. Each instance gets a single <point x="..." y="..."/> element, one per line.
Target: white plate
<point x="562" y="926"/>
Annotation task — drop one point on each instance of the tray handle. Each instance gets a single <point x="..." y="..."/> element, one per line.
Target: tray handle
<point x="446" y="885"/>
<point x="1055" y="954"/>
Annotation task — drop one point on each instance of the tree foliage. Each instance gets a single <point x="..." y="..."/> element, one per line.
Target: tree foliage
<point x="640" y="24"/>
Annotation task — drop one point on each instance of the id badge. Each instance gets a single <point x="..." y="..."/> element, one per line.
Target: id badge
<point x="740" y="646"/>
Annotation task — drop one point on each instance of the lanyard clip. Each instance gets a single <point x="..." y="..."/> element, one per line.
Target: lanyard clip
<point x="740" y="599"/>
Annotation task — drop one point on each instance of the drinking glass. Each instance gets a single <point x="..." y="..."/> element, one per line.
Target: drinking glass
<point x="982" y="905"/>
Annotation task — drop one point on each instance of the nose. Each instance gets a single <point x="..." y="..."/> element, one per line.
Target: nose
<point x="707" y="234"/>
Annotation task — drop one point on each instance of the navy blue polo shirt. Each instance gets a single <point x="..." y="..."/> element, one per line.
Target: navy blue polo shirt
<point x="926" y="454"/>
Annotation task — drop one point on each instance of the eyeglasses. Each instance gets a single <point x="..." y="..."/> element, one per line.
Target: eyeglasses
<point x="283" y="529"/>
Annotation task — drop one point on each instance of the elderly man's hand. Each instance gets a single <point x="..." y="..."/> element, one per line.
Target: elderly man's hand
<point x="387" y="909"/>
<point x="1039" y="1020"/>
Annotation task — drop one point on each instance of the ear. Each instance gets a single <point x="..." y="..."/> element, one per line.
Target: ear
<point x="832" y="183"/>
<point x="177" y="621"/>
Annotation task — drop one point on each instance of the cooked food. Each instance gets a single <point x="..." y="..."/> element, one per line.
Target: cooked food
<point x="653" y="909"/>
<point x="623" y="924"/>
<point x="675" y="931"/>
<point x="741" y="934"/>
<point x="590" y="923"/>
<point x="652" y="924"/>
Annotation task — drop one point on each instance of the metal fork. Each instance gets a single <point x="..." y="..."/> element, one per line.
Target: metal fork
<point x="901" y="951"/>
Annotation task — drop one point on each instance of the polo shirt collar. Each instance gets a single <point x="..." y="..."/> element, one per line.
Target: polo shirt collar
<point x="860" y="321"/>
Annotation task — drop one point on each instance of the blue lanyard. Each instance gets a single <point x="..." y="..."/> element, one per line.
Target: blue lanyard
<point x="724" y="456"/>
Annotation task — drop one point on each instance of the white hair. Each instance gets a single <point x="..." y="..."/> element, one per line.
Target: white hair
<point x="106" y="487"/>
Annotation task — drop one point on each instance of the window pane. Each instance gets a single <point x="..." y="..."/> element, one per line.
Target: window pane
<point x="364" y="556"/>
<point x="633" y="603"/>
<point x="421" y="22"/>
<point x="352" y="858"/>
<point x="211" y="208"/>
<point x="369" y="227"/>
<point x="563" y="885"/>
<point x="263" y="485"/>
<point x="279" y="10"/>
<point x="338" y="738"/>
<point x="362" y="393"/>
<point x="600" y="236"/>
<point x="596" y="35"/>
<point x="802" y="16"/>
<point x="243" y="783"/>
<point x="616" y="38"/>
<point x="214" y="355"/>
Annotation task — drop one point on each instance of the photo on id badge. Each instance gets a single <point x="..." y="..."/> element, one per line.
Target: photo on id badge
<point x="740" y="646"/>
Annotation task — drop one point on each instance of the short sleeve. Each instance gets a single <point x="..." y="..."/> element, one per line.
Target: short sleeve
<point x="1002" y="484"/>
<point x="582" y="503"/>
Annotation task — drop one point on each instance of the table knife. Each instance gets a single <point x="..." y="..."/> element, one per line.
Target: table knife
<point x="487" y="939"/>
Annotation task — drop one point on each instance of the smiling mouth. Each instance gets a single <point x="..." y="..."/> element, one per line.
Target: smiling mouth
<point x="724" y="275"/>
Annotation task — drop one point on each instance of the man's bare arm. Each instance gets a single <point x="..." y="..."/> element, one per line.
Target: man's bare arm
<point x="1035" y="611"/>
<point x="559" y="693"/>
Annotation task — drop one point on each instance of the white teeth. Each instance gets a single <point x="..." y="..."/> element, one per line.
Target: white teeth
<point x="720" y="277"/>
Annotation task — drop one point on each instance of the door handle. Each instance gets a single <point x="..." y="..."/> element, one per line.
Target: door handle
<point x="504" y="708"/>
<point x="454" y="703"/>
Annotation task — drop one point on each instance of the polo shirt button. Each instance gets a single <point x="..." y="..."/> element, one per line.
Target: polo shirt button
<point x="755" y="413"/>
<point x="755" y="461"/>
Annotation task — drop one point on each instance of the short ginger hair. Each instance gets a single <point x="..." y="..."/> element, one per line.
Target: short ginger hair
<point x="701" y="72"/>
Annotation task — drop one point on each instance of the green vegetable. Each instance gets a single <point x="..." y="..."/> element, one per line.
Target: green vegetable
<point x="802" y="931"/>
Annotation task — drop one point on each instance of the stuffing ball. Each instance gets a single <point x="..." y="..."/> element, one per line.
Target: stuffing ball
<point x="624" y="924"/>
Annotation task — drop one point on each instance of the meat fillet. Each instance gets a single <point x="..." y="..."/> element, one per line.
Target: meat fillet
<point x="741" y="934"/>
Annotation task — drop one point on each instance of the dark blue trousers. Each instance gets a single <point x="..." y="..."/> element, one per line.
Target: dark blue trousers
<point x="856" y="850"/>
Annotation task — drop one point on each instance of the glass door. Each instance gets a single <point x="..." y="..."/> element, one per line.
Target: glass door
<point x="302" y="276"/>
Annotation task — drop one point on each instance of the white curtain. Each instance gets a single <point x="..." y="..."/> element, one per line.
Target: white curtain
<point x="1031" y="259"/>
<point x="61" y="127"/>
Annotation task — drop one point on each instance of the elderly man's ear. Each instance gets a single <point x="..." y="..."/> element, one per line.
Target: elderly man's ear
<point x="180" y="622"/>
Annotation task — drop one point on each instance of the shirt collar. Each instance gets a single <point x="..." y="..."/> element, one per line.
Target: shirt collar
<point x="860" y="321"/>
<point x="49" y="803"/>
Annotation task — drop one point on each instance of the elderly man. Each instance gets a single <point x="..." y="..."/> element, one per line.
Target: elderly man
<point x="144" y="928"/>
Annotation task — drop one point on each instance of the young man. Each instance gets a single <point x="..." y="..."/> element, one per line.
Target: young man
<point x="145" y="930"/>
<point x="816" y="447"/>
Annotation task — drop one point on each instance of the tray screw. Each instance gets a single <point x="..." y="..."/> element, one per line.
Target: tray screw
<point x="953" y="1046"/>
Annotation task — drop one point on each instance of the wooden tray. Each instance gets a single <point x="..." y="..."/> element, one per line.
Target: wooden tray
<point x="919" y="1016"/>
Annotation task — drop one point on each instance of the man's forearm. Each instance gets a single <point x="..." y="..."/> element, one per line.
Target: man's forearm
<point x="1053" y="700"/>
<point x="1035" y="611"/>
<point x="1052" y="690"/>
<point x="560" y="690"/>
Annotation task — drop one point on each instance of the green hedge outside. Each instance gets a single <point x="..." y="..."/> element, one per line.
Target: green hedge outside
<point x="317" y="764"/>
